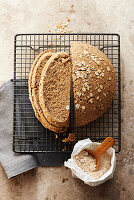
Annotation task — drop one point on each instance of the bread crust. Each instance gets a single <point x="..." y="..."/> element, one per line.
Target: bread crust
<point x="94" y="82"/>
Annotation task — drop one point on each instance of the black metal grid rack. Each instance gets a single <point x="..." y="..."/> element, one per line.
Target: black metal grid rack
<point x="28" y="133"/>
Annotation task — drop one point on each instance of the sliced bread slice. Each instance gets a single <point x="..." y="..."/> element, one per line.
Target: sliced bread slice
<point x="34" y="79"/>
<point x="54" y="89"/>
<point x="94" y="82"/>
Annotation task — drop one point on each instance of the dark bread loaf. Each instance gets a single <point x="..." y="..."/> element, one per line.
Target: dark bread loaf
<point x="94" y="85"/>
<point x="94" y="82"/>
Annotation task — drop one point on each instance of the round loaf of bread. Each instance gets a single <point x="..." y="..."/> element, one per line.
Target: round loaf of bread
<point x="94" y="82"/>
<point x="34" y="79"/>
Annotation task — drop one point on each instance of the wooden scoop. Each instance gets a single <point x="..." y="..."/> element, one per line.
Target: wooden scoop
<point x="102" y="148"/>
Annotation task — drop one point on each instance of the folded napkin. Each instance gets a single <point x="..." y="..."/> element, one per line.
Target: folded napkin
<point x="12" y="163"/>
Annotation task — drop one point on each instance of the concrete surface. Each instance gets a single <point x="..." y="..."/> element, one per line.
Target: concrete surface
<point x="30" y="16"/>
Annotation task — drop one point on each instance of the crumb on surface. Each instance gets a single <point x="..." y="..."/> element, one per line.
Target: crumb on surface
<point x="71" y="138"/>
<point x="64" y="179"/>
<point x="63" y="26"/>
<point x="68" y="19"/>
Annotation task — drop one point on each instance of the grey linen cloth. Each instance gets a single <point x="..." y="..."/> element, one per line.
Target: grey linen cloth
<point x="12" y="163"/>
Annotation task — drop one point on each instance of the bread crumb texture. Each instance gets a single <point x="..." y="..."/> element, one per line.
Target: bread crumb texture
<point x="34" y="91"/>
<point x="55" y="87"/>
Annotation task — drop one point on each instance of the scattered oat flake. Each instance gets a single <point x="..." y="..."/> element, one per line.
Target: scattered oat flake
<point x="98" y="62"/>
<point x="99" y="90"/>
<point x="77" y="106"/>
<point x="83" y="63"/>
<point x="93" y="58"/>
<point x="96" y="73"/>
<point x="108" y="69"/>
<point x="104" y="94"/>
<point x="101" y="86"/>
<point x="80" y="56"/>
<point x="100" y="58"/>
<point x="97" y="98"/>
<point x="109" y="78"/>
<point x="91" y="94"/>
<point x="90" y="61"/>
<point x="99" y="71"/>
<point x="67" y="107"/>
<point x="84" y="89"/>
<point x="83" y="107"/>
<point x="91" y="101"/>
<point x="85" y="84"/>
<point x="56" y="136"/>
<point x="102" y="74"/>
<point x="85" y="52"/>
<point x="82" y="68"/>
<point x="78" y="64"/>
<point x="91" y="75"/>
<point x="78" y="93"/>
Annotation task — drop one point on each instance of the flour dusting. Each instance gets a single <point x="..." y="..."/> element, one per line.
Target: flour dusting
<point x="88" y="164"/>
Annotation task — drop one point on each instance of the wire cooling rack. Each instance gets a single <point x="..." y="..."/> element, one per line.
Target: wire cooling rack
<point x="28" y="133"/>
